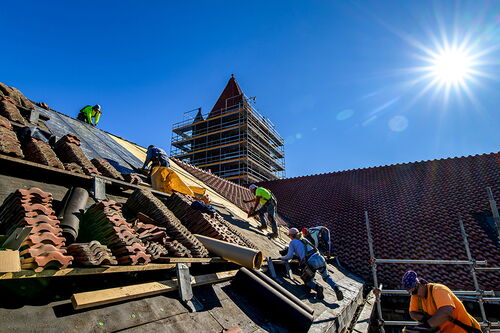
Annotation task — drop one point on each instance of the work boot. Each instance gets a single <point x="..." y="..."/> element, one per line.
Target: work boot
<point x="319" y="292"/>
<point x="262" y="227"/>
<point x="338" y="293"/>
<point x="273" y="235"/>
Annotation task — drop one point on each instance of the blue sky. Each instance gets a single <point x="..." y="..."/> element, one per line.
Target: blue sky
<point x="339" y="79"/>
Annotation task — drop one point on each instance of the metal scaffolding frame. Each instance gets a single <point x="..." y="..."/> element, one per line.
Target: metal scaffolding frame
<point x="235" y="143"/>
<point x="478" y="294"/>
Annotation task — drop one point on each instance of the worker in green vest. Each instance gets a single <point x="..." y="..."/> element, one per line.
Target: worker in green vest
<point x="269" y="203"/>
<point x="90" y="112"/>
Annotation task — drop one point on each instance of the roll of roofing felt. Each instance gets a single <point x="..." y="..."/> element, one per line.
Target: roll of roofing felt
<point x="282" y="290"/>
<point x="273" y="303"/>
<point x="240" y="255"/>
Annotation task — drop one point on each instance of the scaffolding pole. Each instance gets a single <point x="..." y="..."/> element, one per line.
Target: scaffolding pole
<point x="472" y="270"/>
<point x="478" y="293"/>
<point x="374" y="271"/>
<point x="494" y="210"/>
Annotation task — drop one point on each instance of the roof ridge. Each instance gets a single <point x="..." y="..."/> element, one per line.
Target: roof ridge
<point x="384" y="166"/>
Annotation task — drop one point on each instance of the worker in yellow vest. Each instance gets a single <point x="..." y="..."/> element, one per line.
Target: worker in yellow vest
<point x="89" y="113"/>
<point x="435" y="306"/>
<point x="265" y="198"/>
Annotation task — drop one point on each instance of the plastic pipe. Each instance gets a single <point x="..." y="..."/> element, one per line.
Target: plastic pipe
<point x="282" y="290"/>
<point x="75" y="203"/>
<point x="273" y="303"/>
<point x="240" y="255"/>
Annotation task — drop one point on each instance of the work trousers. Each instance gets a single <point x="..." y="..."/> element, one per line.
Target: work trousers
<point x="270" y="209"/>
<point x="317" y="263"/>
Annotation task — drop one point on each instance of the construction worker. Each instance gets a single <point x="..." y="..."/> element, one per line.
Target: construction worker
<point x="268" y="202"/>
<point x="320" y="237"/>
<point x="311" y="261"/>
<point x="90" y="112"/>
<point x="157" y="157"/>
<point x="435" y="306"/>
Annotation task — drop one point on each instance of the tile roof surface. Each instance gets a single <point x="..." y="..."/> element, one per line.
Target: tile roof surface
<point x="413" y="210"/>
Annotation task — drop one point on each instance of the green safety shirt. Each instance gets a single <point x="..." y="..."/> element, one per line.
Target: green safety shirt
<point x="264" y="195"/>
<point x="91" y="113"/>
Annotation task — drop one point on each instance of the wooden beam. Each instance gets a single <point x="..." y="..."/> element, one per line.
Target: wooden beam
<point x="41" y="167"/>
<point x="26" y="274"/>
<point x="112" y="295"/>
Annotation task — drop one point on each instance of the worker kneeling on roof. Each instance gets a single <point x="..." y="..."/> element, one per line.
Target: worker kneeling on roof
<point x="268" y="202"/>
<point x="157" y="157"/>
<point x="90" y="112"/>
<point x="310" y="261"/>
<point x="435" y="306"/>
<point x="319" y="237"/>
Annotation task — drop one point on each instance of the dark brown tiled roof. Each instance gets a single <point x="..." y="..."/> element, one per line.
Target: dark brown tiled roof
<point x="413" y="208"/>
<point x="231" y="96"/>
<point x="231" y="191"/>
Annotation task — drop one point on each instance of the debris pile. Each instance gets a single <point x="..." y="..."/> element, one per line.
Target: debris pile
<point x="105" y="223"/>
<point x="40" y="152"/>
<point x="106" y="168"/>
<point x="201" y="223"/>
<point x="9" y="144"/>
<point x="43" y="247"/>
<point x="91" y="254"/>
<point x="69" y="151"/>
<point x="145" y="202"/>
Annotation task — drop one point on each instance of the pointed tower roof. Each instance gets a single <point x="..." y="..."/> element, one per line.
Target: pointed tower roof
<point x="199" y="116"/>
<point x="231" y="96"/>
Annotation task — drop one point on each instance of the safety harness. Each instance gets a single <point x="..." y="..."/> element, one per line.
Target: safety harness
<point x="467" y="328"/>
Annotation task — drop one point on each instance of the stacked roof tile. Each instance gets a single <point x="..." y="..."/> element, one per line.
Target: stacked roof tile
<point x="40" y="152"/>
<point x="413" y="209"/>
<point x="9" y="143"/>
<point x="106" y="168"/>
<point x="204" y="224"/>
<point x="105" y="223"/>
<point x="142" y="201"/>
<point x="68" y="150"/>
<point x="43" y="247"/>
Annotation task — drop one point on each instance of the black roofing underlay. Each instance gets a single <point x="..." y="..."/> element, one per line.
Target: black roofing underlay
<point x="95" y="143"/>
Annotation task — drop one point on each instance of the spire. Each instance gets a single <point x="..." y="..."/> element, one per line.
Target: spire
<point x="231" y="96"/>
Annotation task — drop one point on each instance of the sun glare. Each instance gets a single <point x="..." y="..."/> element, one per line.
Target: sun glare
<point x="451" y="66"/>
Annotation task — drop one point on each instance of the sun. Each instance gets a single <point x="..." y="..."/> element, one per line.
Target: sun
<point x="451" y="66"/>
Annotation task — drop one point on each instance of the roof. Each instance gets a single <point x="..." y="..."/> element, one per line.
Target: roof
<point x="231" y="96"/>
<point x="413" y="209"/>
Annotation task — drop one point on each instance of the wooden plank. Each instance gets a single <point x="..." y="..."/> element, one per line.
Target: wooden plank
<point x="191" y="260"/>
<point x="363" y="322"/>
<point x="112" y="295"/>
<point x="25" y="274"/>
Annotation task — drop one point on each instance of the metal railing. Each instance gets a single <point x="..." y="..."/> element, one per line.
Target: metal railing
<point x="478" y="293"/>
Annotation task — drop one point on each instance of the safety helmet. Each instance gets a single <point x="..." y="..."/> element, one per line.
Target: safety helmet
<point x="97" y="107"/>
<point x="293" y="231"/>
<point x="252" y="187"/>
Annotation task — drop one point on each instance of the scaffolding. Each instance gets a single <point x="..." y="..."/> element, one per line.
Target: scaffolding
<point x="235" y="143"/>
<point x="481" y="296"/>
